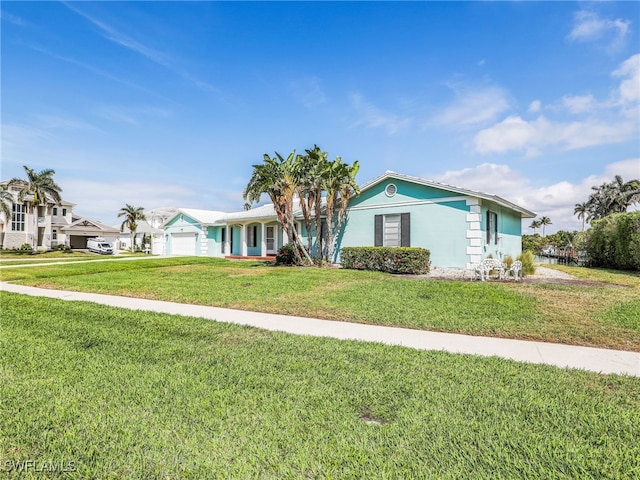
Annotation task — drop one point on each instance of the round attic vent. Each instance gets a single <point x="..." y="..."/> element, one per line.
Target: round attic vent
<point x="391" y="190"/>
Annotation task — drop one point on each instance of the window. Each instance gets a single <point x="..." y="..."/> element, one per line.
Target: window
<point x="17" y="217"/>
<point x="393" y="230"/>
<point x="55" y="211"/>
<point x="54" y="234"/>
<point x="492" y="228"/>
<point x="391" y="190"/>
<point x="252" y="240"/>
<point x="64" y="212"/>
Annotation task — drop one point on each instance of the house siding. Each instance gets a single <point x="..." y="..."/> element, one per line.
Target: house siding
<point x="451" y="226"/>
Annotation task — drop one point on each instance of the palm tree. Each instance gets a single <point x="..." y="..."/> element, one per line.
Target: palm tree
<point x="309" y="170"/>
<point x="582" y="211"/>
<point x="535" y="224"/>
<point x="613" y="197"/>
<point x="543" y="222"/>
<point x="6" y="202"/>
<point x="340" y="185"/>
<point x="132" y="215"/>
<point x="38" y="189"/>
<point x="278" y="179"/>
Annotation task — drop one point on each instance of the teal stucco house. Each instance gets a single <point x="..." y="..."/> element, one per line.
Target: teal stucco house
<point x="458" y="226"/>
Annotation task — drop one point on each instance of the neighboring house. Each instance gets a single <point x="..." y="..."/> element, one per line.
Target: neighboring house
<point x="154" y="235"/>
<point x="458" y="226"/>
<point x="47" y="226"/>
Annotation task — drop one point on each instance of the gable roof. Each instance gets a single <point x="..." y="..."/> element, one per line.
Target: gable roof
<point x="204" y="217"/>
<point x="265" y="211"/>
<point x="86" y="224"/>
<point x="389" y="174"/>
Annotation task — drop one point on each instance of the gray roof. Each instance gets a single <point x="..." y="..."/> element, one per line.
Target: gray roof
<point x="205" y="217"/>
<point x="389" y="174"/>
<point x="265" y="211"/>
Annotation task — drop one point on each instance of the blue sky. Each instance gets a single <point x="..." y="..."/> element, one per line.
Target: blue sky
<point x="163" y="104"/>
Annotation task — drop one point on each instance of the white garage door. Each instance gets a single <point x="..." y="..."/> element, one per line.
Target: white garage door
<point x="184" y="244"/>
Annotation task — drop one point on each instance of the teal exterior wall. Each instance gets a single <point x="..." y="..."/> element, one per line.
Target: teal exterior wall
<point x="214" y="241"/>
<point x="438" y="220"/>
<point x="509" y="232"/>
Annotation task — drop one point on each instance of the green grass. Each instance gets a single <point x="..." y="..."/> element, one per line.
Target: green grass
<point x="125" y="394"/>
<point x="582" y="315"/>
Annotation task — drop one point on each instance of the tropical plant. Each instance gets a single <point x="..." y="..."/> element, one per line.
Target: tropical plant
<point x="277" y="177"/>
<point x="339" y="181"/>
<point x="37" y="189"/>
<point x="6" y="202"/>
<point x="544" y="221"/>
<point x="535" y="225"/>
<point x="132" y="215"/>
<point x="582" y="211"/>
<point x="613" y="197"/>
<point x="308" y="170"/>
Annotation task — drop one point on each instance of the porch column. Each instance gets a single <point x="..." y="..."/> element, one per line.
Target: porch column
<point x="285" y="237"/>
<point x="244" y="240"/>
<point x="227" y="240"/>
<point x="263" y="244"/>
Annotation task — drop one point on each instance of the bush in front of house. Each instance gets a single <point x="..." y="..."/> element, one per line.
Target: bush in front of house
<point x="407" y="260"/>
<point x="528" y="263"/>
<point x="286" y="255"/>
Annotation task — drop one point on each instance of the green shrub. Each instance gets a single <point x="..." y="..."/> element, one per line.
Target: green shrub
<point x="62" y="247"/>
<point x="286" y="254"/>
<point x="26" y="247"/>
<point x="407" y="260"/>
<point x="614" y="242"/>
<point x="528" y="263"/>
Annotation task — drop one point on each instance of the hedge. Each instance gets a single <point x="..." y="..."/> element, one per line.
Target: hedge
<point x="614" y="242"/>
<point x="411" y="260"/>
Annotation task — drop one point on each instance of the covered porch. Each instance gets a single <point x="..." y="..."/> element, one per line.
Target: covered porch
<point x="253" y="240"/>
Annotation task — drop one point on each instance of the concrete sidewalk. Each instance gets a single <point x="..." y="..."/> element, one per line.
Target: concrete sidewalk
<point x="566" y="356"/>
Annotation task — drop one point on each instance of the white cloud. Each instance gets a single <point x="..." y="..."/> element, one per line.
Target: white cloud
<point x="557" y="200"/>
<point x="629" y="90"/>
<point x="308" y="92"/>
<point x="372" y="117"/>
<point x="577" y="104"/>
<point x="473" y="107"/>
<point x="535" y="106"/>
<point x="617" y="121"/>
<point x="589" y="27"/>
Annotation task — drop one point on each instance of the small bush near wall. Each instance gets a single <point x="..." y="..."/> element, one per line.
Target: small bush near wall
<point x="386" y="259"/>
<point x="528" y="263"/>
<point x="286" y="255"/>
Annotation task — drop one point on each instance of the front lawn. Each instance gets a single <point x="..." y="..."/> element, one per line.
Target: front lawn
<point x="582" y="315"/>
<point x="122" y="394"/>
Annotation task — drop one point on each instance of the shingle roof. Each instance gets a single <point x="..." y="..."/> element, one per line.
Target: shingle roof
<point x="265" y="211"/>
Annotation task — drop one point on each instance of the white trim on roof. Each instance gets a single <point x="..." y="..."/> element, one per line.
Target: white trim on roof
<point x="389" y="174"/>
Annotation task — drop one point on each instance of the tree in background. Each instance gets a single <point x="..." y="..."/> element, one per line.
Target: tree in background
<point x="132" y="215"/>
<point x="582" y="211"/>
<point x="544" y="221"/>
<point x="614" y="197"/>
<point x="38" y="189"/>
<point x="535" y="225"/>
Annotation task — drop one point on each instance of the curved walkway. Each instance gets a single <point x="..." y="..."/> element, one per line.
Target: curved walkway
<point x="565" y="356"/>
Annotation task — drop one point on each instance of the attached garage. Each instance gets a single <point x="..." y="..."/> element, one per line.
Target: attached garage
<point x="183" y="244"/>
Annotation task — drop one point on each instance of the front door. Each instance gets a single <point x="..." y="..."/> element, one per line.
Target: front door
<point x="271" y="241"/>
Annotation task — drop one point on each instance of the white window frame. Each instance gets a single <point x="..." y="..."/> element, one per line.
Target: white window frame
<point x="18" y="214"/>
